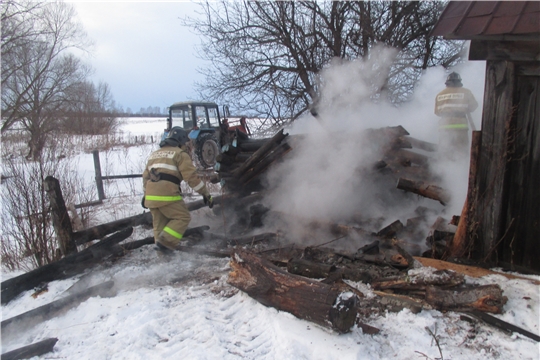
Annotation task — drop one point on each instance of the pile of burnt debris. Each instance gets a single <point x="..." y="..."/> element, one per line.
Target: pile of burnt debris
<point x="314" y="282"/>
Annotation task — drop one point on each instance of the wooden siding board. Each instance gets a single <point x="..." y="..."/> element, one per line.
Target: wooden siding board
<point x="521" y="242"/>
<point x="487" y="216"/>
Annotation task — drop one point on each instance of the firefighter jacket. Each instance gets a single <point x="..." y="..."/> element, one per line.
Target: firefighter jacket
<point x="452" y="105"/>
<point x="175" y="163"/>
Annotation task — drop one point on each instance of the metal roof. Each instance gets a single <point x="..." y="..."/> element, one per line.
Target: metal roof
<point x="192" y="103"/>
<point x="489" y="19"/>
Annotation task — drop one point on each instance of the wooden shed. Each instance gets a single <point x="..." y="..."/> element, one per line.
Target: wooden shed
<point x="501" y="218"/>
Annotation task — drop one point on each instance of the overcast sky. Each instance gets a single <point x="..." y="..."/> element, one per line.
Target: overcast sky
<point x="142" y="51"/>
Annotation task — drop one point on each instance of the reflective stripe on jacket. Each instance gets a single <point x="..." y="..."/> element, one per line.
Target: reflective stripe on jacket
<point x="452" y="105"/>
<point x="176" y="162"/>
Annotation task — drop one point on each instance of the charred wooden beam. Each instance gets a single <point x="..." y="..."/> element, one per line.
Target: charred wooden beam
<point x="60" y="216"/>
<point x="48" y="311"/>
<point x="422" y="145"/>
<point x="486" y="298"/>
<point x="99" y="231"/>
<point x="426" y="190"/>
<point x="29" y="351"/>
<point x="461" y="243"/>
<point x="473" y="271"/>
<point x="252" y="239"/>
<point x="329" y="306"/>
<point x="406" y="282"/>
<point x="501" y="324"/>
<point x="251" y="173"/>
<point x="252" y="145"/>
<point x="64" y="268"/>
<point x="411" y="156"/>
<point x="309" y="269"/>
<point x="260" y="153"/>
<point x="391" y="230"/>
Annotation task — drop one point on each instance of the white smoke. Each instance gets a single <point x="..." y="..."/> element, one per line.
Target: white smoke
<point x="321" y="177"/>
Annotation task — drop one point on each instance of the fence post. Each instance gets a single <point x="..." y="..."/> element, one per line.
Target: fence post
<point x="60" y="216"/>
<point x="99" y="179"/>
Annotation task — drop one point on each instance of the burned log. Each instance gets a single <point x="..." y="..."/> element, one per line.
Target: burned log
<point x="60" y="216"/>
<point x="29" y="351"/>
<point x="420" y="144"/>
<point x="410" y="156"/>
<point x="333" y="306"/>
<point x="426" y="190"/>
<point x="445" y="278"/>
<point x="461" y="243"/>
<point x="64" y="268"/>
<point x="391" y="230"/>
<point x="309" y="269"/>
<point x="251" y="239"/>
<point x="251" y="173"/>
<point x="501" y="324"/>
<point x="260" y="153"/>
<point x="30" y="318"/>
<point x="468" y="270"/>
<point x="486" y="298"/>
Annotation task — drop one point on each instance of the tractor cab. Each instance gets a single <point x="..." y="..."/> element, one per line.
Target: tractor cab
<point x="203" y="123"/>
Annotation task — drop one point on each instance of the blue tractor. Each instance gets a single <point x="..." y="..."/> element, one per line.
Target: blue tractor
<point x="204" y="125"/>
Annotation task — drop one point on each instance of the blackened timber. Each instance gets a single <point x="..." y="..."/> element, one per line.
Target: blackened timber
<point x="422" y="145"/>
<point x="309" y="268"/>
<point x="426" y="190"/>
<point x="29" y="351"/>
<point x="252" y="145"/>
<point x="462" y="242"/>
<point x="252" y="239"/>
<point x="264" y="163"/>
<point x="503" y="325"/>
<point x="45" y="312"/>
<point x="413" y="157"/>
<point x="486" y="298"/>
<point x="333" y="306"/>
<point x="261" y="152"/>
<point x="99" y="231"/>
<point x="60" y="216"/>
<point x="64" y="268"/>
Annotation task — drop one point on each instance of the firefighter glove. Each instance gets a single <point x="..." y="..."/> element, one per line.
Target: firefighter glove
<point x="142" y="203"/>
<point x="208" y="200"/>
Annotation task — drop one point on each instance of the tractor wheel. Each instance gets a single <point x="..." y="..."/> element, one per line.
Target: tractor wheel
<point x="207" y="150"/>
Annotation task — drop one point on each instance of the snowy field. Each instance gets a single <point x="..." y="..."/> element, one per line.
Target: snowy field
<point x="183" y="308"/>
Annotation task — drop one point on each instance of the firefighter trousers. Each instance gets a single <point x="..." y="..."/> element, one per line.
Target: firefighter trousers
<point x="170" y="221"/>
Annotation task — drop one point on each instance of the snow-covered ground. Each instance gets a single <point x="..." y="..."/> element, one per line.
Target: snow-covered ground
<point x="182" y="307"/>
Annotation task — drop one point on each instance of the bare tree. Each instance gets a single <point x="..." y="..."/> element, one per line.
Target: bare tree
<point x="266" y="57"/>
<point x="38" y="68"/>
<point x="88" y="109"/>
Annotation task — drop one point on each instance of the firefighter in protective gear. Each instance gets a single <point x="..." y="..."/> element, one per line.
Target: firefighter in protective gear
<point x="165" y="170"/>
<point x="454" y="105"/>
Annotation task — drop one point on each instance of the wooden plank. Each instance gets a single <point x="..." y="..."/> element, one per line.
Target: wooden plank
<point x="64" y="268"/>
<point x="497" y="115"/>
<point x="60" y="217"/>
<point x="468" y="270"/>
<point x="505" y="50"/>
<point x="45" y="312"/>
<point x="462" y="242"/>
<point x="29" y="351"/>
